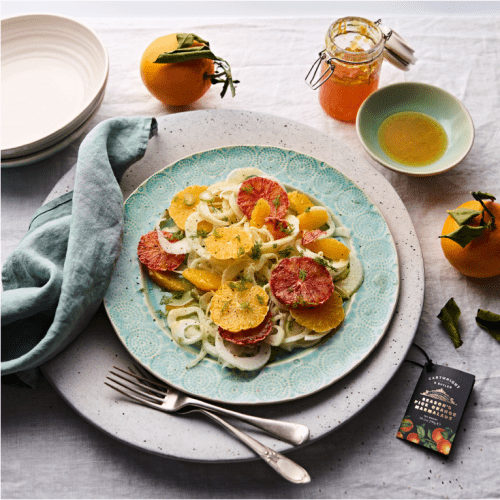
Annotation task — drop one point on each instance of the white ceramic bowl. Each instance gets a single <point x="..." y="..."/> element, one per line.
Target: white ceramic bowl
<point x="54" y="74"/>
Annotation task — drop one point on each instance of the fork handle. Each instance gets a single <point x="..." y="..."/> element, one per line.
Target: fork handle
<point x="281" y="464"/>
<point x="286" y="431"/>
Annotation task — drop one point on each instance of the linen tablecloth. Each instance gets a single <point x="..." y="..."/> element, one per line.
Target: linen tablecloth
<point x="49" y="451"/>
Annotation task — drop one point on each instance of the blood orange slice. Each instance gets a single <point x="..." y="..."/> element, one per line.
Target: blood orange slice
<point x="301" y="282"/>
<point x="152" y="255"/>
<point x="310" y="236"/>
<point x="256" y="188"/>
<point x="279" y="228"/>
<point x="251" y="335"/>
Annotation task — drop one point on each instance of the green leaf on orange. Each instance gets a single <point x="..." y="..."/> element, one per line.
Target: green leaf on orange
<point x="449" y="315"/>
<point x="463" y="215"/>
<point x="463" y="235"/>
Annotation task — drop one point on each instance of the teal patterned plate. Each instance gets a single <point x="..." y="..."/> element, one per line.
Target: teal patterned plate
<point x="132" y="301"/>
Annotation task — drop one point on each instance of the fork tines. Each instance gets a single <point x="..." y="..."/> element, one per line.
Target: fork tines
<point x="148" y="394"/>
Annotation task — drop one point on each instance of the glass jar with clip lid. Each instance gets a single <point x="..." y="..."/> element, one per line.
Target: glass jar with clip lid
<point x="348" y="68"/>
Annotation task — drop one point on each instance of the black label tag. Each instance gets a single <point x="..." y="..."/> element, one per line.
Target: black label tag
<point x="436" y="407"/>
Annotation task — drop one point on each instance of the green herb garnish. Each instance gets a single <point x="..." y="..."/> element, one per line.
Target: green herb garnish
<point x="286" y="252"/>
<point x="302" y="274"/>
<point x="179" y="235"/>
<point x="256" y="252"/>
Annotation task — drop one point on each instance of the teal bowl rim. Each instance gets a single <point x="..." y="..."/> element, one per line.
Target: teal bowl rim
<point x="412" y="171"/>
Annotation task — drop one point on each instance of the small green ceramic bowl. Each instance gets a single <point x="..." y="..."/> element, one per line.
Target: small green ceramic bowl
<point x="423" y="98"/>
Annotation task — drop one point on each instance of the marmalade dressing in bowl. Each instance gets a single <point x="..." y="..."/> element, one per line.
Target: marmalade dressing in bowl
<point x="412" y="138"/>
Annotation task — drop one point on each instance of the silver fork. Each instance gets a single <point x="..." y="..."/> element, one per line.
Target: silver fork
<point x="171" y="400"/>
<point x="281" y="464"/>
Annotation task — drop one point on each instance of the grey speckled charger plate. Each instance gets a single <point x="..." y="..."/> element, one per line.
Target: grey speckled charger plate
<point x="78" y="373"/>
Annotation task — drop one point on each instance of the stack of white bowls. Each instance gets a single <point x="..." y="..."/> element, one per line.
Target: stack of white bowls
<point x="54" y="74"/>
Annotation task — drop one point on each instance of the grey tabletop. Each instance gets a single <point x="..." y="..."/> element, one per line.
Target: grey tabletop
<point x="51" y="451"/>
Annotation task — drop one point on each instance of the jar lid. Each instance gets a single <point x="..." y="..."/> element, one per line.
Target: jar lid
<point x="397" y="51"/>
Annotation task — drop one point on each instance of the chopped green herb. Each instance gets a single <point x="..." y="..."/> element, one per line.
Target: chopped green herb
<point x="201" y="233"/>
<point x="165" y="300"/>
<point x="299" y="302"/>
<point x="276" y="201"/>
<point x="225" y="306"/>
<point x="325" y="263"/>
<point x="260" y="280"/>
<point x="307" y="210"/>
<point x="161" y="314"/>
<point x="261" y="300"/>
<point x="302" y="274"/>
<point x="247" y="189"/>
<point x="216" y="234"/>
<point x="240" y="285"/>
<point x="285" y="228"/>
<point x="241" y="251"/>
<point x="246" y="306"/>
<point x="256" y="252"/>
<point x="238" y="237"/>
<point x="179" y="235"/>
<point x="286" y="252"/>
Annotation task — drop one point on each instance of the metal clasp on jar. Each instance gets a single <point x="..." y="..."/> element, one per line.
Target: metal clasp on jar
<point x="315" y="85"/>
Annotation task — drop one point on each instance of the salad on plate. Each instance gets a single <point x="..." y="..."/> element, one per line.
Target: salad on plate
<point x="251" y="266"/>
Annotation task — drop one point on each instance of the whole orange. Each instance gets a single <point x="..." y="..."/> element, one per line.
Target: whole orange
<point x="481" y="257"/>
<point x="406" y="425"/>
<point x="443" y="446"/>
<point x="175" y="84"/>
<point x="436" y="434"/>
<point x="413" y="437"/>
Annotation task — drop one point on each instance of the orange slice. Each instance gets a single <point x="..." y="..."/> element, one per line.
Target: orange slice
<point x="260" y="213"/>
<point x="204" y="280"/>
<point x="313" y="219"/>
<point x="239" y="306"/>
<point x="229" y="242"/>
<point x="184" y="204"/>
<point x="321" y="318"/>
<point x="299" y="202"/>
<point x="168" y="280"/>
<point x="332" y="249"/>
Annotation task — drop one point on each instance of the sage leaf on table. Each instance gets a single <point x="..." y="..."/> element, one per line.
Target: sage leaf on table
<point x="449" y="316"/>
<point x="490" y="322"/>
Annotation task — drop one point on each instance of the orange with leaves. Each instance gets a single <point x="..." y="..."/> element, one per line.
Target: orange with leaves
<point x="178" y="69"/>
<point x="470" y="238"/>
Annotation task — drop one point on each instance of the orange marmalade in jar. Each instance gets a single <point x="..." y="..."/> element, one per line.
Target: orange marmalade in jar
<point x="350" y="65"/>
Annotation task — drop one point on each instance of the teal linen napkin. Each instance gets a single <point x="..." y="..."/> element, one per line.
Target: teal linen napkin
<point x="56" y="278"/>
